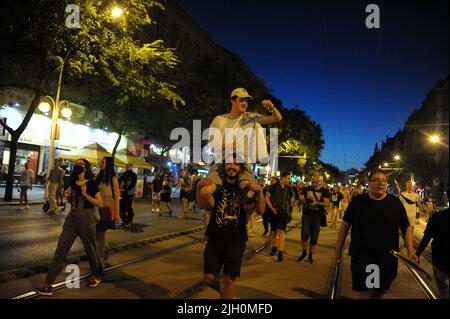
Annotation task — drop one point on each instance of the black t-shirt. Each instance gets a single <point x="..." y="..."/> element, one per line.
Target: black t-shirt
<point x="279" y="197"/>
<point x="375" y="225"/>
<point x="77" y="198"/>
<point x="438" y="229"/>
<point x="321" y="194"/>
<point x="228" y="219"/>
<point x="157" y="185"/>
<point x="336" y="198"/>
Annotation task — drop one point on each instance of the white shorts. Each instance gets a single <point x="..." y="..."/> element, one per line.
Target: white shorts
<point x="156" y="196"/>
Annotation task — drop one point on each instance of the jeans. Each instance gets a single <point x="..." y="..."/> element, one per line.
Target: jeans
<point x="126" y="208"/>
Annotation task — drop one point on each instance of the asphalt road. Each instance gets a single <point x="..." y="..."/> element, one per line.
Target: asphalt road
<point x="29" y="237"/>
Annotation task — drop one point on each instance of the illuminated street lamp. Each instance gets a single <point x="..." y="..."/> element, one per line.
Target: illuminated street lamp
<point x="397" y="157"/>
<point x="434" y="139"/>
<point x="44" y="107"/>
<point x="116" y="12"/>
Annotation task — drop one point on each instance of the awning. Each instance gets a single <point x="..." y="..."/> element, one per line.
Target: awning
<point x="127" y="157"/>
<point x="93" y="153"/>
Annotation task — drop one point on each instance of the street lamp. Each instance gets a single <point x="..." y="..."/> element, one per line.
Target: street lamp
<point x="434" y="139"/>
<point x="44" y="107"/>
<point x="397" y="157"/>
<point x="116" y="12"/>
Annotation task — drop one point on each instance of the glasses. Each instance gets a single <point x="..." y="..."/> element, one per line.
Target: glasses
<point x="379" y="181"/>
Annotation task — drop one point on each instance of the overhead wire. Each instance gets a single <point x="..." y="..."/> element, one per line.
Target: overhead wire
<point x="324" y="42"/>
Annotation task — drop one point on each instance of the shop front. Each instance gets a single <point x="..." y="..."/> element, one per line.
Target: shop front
<point x="34" y="144"/>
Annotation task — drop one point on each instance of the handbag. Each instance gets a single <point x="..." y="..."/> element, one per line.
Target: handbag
<point x="323" y="219"/>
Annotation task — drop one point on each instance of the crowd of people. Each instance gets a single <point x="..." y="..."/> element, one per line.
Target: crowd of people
<point x="230" y="195"/>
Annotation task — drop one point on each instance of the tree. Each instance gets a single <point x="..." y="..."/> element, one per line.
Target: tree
<point x="37" y="45"/>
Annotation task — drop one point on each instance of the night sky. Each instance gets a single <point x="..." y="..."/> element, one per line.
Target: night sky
<point x="359" y="84"/>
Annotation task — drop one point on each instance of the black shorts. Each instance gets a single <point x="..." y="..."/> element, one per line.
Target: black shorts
<point x="360" y="273"/>
<point x="228" y="256"/>
<point x="278" y="221"/>
<point x="310" y="228"/>
<point x="165" y="197"/>
<point x="184" y="194"/>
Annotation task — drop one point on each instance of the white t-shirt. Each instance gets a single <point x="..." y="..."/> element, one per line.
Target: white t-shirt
<point x="410" y="208"/>
<point x="243" y="135"/>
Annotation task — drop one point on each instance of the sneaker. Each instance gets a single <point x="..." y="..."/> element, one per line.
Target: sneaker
<point x="153" y="211"/>
<point x="310" y="259"/>
<point x="273" y="252"/>
<point x="93" y="281"/>
<point x="27" y="207"/>
<point x="157" y="210"/>
<point x="302" y="257"/>
<point x="44" y="290"/>
<point x="280" y="256"/>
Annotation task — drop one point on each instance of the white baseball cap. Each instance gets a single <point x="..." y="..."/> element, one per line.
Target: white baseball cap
<point x="242" y="93"/>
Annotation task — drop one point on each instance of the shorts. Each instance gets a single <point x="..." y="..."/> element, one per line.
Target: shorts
<point x="387" y="273"/>
<point x="156" y="196"/>
<point x="278" y="221"/>
<point x="216" y="173"/>
<point x="165" y="197"/>
<point x="310" y="228"/>
<point x="228" y="256"/>
<point x="184" y="194"/>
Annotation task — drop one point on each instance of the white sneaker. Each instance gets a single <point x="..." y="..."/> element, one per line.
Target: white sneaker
<point x="27" y="207"/>
<point x="157" y="210"/>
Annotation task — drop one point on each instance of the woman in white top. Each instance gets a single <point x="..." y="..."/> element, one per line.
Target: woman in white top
<point x="411" y="201"/>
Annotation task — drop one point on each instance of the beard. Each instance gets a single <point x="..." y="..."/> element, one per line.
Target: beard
<point x="232" y="173"/>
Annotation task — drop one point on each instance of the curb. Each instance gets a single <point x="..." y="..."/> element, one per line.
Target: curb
<point x="24" y="272"/>
<point x="17" y="203"/>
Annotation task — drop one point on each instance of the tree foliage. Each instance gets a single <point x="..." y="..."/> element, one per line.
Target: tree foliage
<point x="37" y="45"/>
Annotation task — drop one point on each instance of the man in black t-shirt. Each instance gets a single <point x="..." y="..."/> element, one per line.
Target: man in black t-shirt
<point x="278" y="199"/>
<point x="375" y="219"/>
<point x="314" y="198"/>
<point x="267" y="211"/>
<point x="226" y="229"/>
<point x="438" y="230"/>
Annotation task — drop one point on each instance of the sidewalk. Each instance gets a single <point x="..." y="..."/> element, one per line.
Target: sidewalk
<point x="35" y="195"/>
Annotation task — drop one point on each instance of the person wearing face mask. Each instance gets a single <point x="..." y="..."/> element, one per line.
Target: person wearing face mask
<point x="83" y="195"/>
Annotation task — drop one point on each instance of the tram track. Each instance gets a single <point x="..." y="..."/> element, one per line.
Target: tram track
<point x="127" y="246"/>
<point x="199" y="286"/>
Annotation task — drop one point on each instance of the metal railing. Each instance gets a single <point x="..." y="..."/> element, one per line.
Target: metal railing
<point x="414" y="270"/>
<point x="333" y="280"/>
